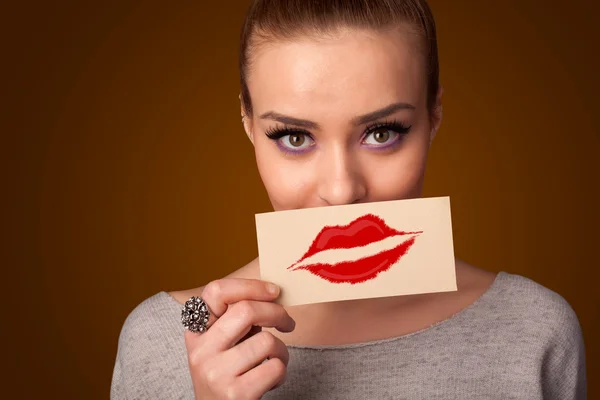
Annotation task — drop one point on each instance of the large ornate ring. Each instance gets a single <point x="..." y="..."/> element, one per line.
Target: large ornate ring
<point x="195" y="314"/>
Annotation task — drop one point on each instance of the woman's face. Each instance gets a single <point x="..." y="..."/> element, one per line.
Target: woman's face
<point x="340" y="120"/>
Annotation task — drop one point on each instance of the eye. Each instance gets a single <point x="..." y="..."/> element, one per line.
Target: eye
<point x="290" y="140"/>
<point x="380" y="136"/>
<point x="386" y="134"/>
<point x="296" y="141"/>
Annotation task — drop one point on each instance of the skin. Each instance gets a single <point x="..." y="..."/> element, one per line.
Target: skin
<point x="333" y="82"/>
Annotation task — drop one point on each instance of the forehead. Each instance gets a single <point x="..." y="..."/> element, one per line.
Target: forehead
<point x="350" y="73"/>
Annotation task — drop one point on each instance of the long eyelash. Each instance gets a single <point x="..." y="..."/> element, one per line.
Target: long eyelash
<point x="279" y="132"/>
<point x="276" y="133"/>
<point x="393" y="125"/>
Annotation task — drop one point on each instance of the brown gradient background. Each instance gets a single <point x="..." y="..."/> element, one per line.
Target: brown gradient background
<point x="130" y="172"/>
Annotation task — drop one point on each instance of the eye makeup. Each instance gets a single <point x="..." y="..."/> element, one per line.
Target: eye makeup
<point x="399" y="129"/>
<point x="278" y="133"/>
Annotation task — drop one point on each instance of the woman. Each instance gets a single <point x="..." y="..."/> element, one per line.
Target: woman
<point x="341" y="101"/>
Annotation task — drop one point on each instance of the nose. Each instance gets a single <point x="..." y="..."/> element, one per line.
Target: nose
<point x="340" y="178"/>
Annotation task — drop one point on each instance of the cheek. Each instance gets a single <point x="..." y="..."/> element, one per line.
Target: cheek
<point x="399" y="176"/>
<point x="287" y="183"/>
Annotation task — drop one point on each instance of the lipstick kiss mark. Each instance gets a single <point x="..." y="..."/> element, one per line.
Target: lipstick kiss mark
<point x="366" y="231"/>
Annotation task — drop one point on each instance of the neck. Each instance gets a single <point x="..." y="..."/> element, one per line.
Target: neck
<point x="359" y="307"/>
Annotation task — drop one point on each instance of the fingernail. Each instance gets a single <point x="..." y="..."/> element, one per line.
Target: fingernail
<point x="272" y="288"/>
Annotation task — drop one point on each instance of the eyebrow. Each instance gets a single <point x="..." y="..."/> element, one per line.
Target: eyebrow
<point x="360" y="120"/>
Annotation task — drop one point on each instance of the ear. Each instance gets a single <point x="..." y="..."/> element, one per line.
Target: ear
<point x="436" y="118"/>
<point x="246" y="121"/>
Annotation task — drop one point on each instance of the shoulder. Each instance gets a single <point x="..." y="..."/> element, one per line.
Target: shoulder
<point x="519" y="302"/>
<point x="540" y="316"/>
<point x="549" y="328"/>
<point x="151" y="348"/>
<point x="152" y="319"/>
<point x="520" y="295"/>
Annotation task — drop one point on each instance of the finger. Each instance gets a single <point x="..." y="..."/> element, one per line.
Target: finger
<point x="265" y="377"/>
<point x="250" y="353"/>
<point x="253" y="331"/>
<point x="239" y="319"/>
<point x="194" y="314"/>
<point x="221" y="293"/>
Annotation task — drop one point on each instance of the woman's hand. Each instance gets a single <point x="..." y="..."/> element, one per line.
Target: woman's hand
<point x="228" y="360"/>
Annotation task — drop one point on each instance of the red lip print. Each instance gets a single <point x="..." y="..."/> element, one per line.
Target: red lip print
<point x="362" y="231"/>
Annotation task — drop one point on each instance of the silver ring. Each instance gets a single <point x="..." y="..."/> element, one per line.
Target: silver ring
<point x="195" y="314"/>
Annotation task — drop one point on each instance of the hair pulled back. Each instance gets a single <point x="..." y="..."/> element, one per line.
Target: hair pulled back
<point x="281" y="20"/>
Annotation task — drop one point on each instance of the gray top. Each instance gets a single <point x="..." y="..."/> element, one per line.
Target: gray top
<point x="519" y="340"/>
